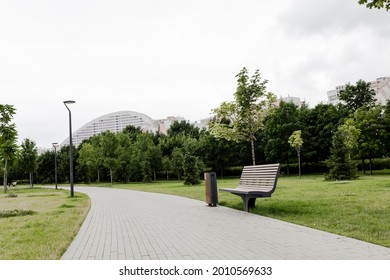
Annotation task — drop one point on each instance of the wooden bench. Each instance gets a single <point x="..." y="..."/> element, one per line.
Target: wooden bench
<point x="256" y="181"/>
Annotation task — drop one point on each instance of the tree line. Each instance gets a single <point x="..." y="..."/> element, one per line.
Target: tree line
<point x="334" y="138"/>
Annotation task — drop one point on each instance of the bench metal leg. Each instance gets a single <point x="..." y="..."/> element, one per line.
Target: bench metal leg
<point x="249" y="202"/>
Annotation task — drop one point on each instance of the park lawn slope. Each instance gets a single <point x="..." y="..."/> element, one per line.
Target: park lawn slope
<point x="44" y="231"/>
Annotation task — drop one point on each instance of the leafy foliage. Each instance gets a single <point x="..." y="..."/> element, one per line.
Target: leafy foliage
<point x="373" y="137"/>
<point x="341" y="166"/>
<point x="28" y="157"/>
<point x="378" y="4"/>
<point x="8" y="137"/>
<point x="358" y="96"/>
<point x="295" y="141"/>
<point x="240" y="119"/>
<point x="279" y="126"/>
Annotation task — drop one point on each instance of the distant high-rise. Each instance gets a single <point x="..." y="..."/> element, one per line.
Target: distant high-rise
<point x="381" y="86"/>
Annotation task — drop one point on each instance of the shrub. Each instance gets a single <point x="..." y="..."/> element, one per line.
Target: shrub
<point x="15" y="213"/>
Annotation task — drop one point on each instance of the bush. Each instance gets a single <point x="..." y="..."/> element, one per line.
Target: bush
<point x="15" y="213"/>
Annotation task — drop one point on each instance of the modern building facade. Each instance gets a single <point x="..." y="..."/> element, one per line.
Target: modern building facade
<point x="381" y="86"/>
<point x="116" y="122"/>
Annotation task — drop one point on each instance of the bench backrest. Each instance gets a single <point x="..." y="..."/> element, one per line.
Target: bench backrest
<point x="261" y="178"/>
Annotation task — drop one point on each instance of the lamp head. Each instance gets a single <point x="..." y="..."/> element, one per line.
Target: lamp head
<point x="69" y="102"/>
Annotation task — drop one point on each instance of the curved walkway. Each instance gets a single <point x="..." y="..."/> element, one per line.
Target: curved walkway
<point x="125" y="224"/>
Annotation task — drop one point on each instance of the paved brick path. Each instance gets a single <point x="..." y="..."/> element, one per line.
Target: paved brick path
<point x="125" y="224"/>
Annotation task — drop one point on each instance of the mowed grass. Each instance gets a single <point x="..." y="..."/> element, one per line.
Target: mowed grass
<point x="359" y="209"/>
<point x="52" y="222"/>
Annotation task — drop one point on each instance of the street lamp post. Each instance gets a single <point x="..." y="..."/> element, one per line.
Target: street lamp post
<point x="70" y="148"/>
<point x="55" y="162"/>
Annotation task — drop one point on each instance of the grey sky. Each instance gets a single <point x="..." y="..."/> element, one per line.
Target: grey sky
<point x="176" y="58"/>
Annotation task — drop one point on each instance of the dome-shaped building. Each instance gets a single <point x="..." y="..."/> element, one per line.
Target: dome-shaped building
<point x="114" y="122"/>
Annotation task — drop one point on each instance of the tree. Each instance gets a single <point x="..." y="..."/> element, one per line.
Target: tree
<point x="166" y="165"/>
<point x="45" y="167"/>
<point x="242" y="118"/>
<point x="318" y="127"/>
<point x="192" y="165"/>
<point x="295" y="140"/>
<point x="357" y="96"/>
<point x="148" y="156"/>
<point x="8" y="137"/>
<point x="278" y="127"/>
<point x="86" y="159"/>
<point x="177" y="162"/>
<point x="341" y="167"/>
<point x="386" y="123"/>
<point x="373" y="136"/>
<point x="28" y="158"/>
<point x="109" y="152"/>
<point x="378" y="4"/>
<point x="183" y="128"/>
<point x="218" y="153"/>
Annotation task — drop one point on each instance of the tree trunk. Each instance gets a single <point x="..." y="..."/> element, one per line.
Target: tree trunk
<point x="299" y="163"/>
<point x="363" y="167"/>
<point x="111" y="175"/>
<point x="31" y="178"/>
<point x="370" y="166"/>
<point x="253" y="151"/>
<point x="5" y="176"/>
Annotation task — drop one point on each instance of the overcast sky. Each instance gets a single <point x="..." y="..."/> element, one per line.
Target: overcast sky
<point x="176" y="57"/>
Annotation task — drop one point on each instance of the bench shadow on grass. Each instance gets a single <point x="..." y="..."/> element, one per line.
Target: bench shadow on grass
<point x="281" y="209"/>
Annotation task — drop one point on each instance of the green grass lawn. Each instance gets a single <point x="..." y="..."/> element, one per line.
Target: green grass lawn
<point x="47" y="226"/>
<point x="359" y="209"/>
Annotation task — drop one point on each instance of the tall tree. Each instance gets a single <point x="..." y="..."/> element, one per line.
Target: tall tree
<point x="28" y="158"/>
<point x="295" y="141"/>
<point x="278" y="127"/>
<point x="192" y="164"/>
<point x="341" y="167"/>
<point x="177" y="162"/>
<point x="109" y="152"/>
<point x="357" y="96"/>
<point x="378" y="4"/>
<point x="8" y="138"/>
<point x="318" y="125"/>
<point x="242" y="118"/>
<point x="86" y="160"/>
<point x="45" y="167"/>
<point x="373" y="136"/>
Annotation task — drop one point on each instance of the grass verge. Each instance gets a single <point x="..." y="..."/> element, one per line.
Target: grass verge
<point x="39" y="224"/>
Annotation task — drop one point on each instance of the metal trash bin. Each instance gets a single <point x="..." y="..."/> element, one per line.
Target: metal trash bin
<point x="210" y="179"/>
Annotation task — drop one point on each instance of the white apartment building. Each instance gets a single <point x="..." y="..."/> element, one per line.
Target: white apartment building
<point x="381" y="86"/>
